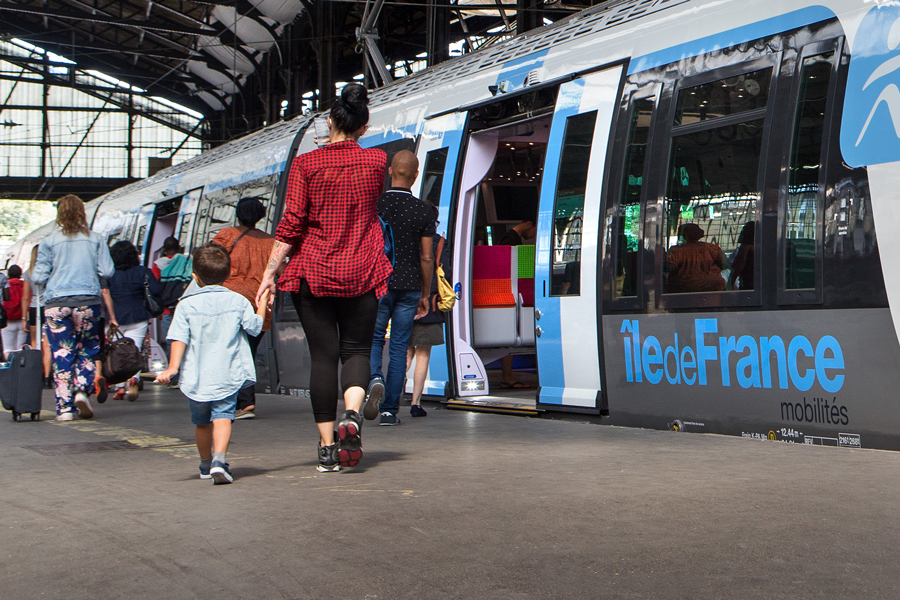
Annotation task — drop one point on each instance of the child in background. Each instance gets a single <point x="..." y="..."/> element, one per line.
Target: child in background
<point x="209" y="333"/>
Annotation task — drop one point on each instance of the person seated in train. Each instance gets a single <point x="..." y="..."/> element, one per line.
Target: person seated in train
<point x="694" y="266"/>
<point x="526" y="230"/>
<point x="413" y="225"/>
<point x="741" y="277"/>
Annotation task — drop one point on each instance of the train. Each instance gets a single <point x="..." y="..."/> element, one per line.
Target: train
<point x="766" y="133"/>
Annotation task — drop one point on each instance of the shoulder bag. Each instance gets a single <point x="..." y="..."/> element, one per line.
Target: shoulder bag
<point x="123" y="358"/>
<point x="152" y="303"/>
<point x="446" y="295"/>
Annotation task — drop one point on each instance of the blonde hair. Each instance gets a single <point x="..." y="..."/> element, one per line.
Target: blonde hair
<point x="70" y="215"/>
<point x="34" y="253"/>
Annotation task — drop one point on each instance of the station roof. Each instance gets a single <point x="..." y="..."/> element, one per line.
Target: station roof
<point x="199" y="53"/>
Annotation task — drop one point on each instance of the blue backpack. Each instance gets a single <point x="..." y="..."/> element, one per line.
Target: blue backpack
<point x="388" y="235"/>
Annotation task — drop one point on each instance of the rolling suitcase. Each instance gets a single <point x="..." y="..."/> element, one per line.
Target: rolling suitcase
<point x="20" y="383"/>
<point x="22" y="379"/>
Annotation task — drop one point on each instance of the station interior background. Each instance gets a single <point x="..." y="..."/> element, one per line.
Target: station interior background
<point x="97" y="94"/>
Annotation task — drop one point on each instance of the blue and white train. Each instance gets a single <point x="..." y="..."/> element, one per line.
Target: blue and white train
<point x="774" y="127"/>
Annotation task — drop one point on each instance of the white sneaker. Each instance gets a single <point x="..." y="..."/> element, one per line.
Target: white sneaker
<point x="66" y="417"/>
<point x="83" y="405"/>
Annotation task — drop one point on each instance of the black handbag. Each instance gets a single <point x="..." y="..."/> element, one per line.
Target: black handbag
<point x="123" y="358"/>
<point x="152" y="303"/>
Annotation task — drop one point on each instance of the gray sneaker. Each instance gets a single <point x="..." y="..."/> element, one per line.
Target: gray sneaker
<point x="373" y="398"/>
<point x="389" y="419"/>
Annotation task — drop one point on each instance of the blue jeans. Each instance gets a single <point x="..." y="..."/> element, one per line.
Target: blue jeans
<point x="398" y="306"/>
<point x="166" y="321"/>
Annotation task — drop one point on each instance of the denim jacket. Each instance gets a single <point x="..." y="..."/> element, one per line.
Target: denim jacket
<point x="217" y="362"/>
<point x="72" y="266"/>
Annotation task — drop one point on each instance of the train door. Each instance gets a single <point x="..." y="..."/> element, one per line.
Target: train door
<point x="566" y="300"/>
<point x="493" y="251"/>
<point x="164" y="224"/>
<point x="438" y="154"/>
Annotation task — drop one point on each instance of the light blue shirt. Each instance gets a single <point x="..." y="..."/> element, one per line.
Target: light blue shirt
<point x="72" y="265"/>
<point x="217" y="362"/>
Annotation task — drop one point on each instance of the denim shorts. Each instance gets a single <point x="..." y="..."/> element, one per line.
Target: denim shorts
<point x="204" y="413"/>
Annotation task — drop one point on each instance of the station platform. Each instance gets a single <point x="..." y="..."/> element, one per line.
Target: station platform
<point x="458" y="504"/>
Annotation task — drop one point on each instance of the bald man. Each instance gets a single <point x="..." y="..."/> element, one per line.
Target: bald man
<point x="412" y="224"/>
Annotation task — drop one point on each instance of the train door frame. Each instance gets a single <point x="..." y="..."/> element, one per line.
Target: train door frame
<point x="444" y="132"/>
<point x="187" y="213"/>
<point x="571" y="377"/>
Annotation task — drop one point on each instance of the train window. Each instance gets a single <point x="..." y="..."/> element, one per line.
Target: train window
<point x="392" y="148"/>
<point x="568" y="207"/>
<point x="433" y="178"/>
<point x="711" y="209"/>
<point x="218" y="208"/>
<point x="142" y="235"/>
<point x="802" y="223"/>
<point x="628" y="219"/>
<point x="723" y="97"/>
<point x="185" y="229"/>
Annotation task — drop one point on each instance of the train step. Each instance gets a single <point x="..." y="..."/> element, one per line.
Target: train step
<point x="493" y="404"/>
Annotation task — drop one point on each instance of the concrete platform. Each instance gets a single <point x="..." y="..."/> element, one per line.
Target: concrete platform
<point x="455" y="505"/>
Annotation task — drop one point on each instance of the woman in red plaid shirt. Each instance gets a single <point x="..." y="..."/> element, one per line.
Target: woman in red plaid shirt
<point x="337" y="269"/>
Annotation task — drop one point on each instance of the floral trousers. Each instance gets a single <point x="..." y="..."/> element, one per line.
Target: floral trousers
<point x="74" y="339"/>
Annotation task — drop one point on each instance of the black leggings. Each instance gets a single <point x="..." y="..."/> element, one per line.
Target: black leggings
<point x="336" y="328"/>
<point x="247" y="395"/>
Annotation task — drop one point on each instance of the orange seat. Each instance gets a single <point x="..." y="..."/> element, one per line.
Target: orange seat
<point x="492" y="293"/>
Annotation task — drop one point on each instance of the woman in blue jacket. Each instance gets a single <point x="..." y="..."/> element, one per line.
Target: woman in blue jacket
<point x="70" y="263"/>
<point x="126" y="289"/>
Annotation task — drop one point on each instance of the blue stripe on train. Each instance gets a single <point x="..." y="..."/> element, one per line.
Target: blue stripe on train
<point x="732" y="37"/>
<point x="549" y="345"/>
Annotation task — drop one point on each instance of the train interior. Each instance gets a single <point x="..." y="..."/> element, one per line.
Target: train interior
<point x="503" y="260"/>
<point x="165" y="220"/>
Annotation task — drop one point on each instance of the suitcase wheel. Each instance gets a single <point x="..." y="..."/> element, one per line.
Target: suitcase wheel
<point x="35" y="416"/>
<point x="15" y="416"/>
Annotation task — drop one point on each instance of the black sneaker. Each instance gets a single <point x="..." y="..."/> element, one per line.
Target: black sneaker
<point x="389" y="419"/>
<point x="102" y="390"/>
<point x="417" y="411"/>
<point x="327" y="461"/>
<point x="48" y="383"/>
<point x="349" y="450"/>
<point x="373" y="398"/>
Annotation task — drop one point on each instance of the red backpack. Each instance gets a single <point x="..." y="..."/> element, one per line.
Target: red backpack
<point x="13" y="306"/>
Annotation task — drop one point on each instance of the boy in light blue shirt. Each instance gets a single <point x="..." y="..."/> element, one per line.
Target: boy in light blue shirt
<point x="209" y="333"/>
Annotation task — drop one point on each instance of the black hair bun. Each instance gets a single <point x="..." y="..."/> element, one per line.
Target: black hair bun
<point x="355" y="97"/>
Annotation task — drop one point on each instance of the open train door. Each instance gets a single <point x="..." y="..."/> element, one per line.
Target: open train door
<point x="438" y="155"/>
<point x="566" y="257"/>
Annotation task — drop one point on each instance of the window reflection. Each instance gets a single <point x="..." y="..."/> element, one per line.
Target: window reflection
<point x="724" y="97"/>
<point x="711" y="208"/>
<point x="628" y="226"/>
<point x="802" y="219"/>
<point x="568" y="209"/>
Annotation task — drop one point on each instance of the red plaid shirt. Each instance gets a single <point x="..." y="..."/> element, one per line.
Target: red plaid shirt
<point x="331" y="222"/>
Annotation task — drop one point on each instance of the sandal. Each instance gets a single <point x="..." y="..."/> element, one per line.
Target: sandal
<point x="120" y="394"/>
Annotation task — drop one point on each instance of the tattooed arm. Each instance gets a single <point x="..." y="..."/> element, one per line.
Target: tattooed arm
<point x="276" y="260"/>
